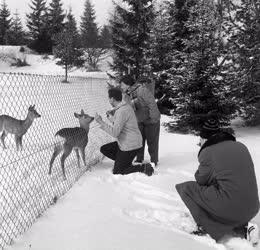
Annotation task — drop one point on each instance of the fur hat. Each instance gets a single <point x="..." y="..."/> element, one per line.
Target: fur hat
<point x="209" y="128"/>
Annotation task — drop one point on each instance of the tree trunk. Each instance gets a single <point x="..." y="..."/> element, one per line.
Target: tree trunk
<point x="66" y="72"/>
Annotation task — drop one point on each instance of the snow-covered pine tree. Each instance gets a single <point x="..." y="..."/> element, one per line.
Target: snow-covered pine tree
<point x="55" y="17"/>
<point x="5" y="23"/>
<point x="90" y="40"/>
<point x="198" y="75"/>
<point x="17" y="34"/>
<point x="71" y="25"/>
<point x="158" y="53"/>
<point x="168" y="33"/>
<point x="88" y="27"/>
<point x="243" y="30"/>
<point x="67" y="46"/>
<point x="37" y="23"/>
<point x="131" y="27"/>
<point x="105" y="37"/>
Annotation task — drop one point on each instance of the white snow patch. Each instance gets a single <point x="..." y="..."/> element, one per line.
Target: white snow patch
<point x="134" y="212"/>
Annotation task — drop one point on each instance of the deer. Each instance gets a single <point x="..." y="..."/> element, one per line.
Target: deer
<point x="17" y="127"/>
<point x="67" y="139"/>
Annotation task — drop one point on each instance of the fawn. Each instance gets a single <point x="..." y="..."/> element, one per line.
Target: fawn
<point x="17" y="127"/>
<point x="72" y="138"/>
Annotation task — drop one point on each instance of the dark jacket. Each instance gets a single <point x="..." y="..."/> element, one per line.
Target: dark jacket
<point x="144" y="104"/>
<point x="225" y="191"/>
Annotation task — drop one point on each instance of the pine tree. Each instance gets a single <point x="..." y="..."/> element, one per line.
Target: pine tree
<point x="88" y="27"/>
<point x="35" y="20"/>
<point x="105" y="37"/>
<point x="243" y="22"/>
<point x="168" y="34"/>
<point x="67" y="46"/>
<point x="199" y="75"/>
<point x="160" y="50"/>
<point x="37" y="23"/>
<point x="71" y="25"/>
<point x="131" y="28"/>
<point x="162" y="39"/>
<point x="56" y="17"/>
<point x="17" y="34"/>
<point x="5" y="23"/>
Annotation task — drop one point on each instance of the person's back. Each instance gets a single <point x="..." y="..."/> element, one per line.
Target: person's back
<point x="146" y="109"/>
<point x="234" y="175"/>
<point x="224" y="197"/>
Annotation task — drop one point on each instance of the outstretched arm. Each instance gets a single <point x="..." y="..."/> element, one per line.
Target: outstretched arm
<point x="114" y="129"/>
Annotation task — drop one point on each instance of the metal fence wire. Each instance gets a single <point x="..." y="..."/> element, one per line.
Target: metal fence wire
<point x="26" y="188"/>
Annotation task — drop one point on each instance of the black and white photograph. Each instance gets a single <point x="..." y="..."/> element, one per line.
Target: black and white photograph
<point x="129" y="124"/>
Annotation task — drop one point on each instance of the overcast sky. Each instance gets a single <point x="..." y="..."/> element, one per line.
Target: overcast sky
<point x="102" y="8"/>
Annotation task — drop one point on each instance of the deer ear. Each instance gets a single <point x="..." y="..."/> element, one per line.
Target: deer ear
<point x="82" y="112"/>
<point x="76" y="115"/>
<point x="33" y="106"/>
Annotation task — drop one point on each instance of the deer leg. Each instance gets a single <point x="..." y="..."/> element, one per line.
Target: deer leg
<point x="66" y="153"/>
<point x="82" y="152"/>
<point x="18" y="142"/>
<point x="57" y="150"/>
<point x="3" y="139"/>
<point x="77" y="154"/>
<point x="21" y="142"/>
<point x="16" y="138"/>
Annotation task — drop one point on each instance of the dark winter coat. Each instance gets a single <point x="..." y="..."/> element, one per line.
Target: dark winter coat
<point x="225" y="193"/>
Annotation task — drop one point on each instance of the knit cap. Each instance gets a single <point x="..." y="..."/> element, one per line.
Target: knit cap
<point x="209" y="128"/>
<point x="211" y="124"/>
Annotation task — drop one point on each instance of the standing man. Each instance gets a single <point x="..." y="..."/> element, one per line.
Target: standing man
<point x="147" y="114"/>
<point x="125" y="129"/>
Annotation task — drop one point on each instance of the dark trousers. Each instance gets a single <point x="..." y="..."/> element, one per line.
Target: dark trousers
<point x="150" y="133"/>
<point x="215" y="226"/>
<point x="123" y="159"/>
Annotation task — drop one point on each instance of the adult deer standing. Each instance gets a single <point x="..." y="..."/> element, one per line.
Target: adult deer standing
<point x="17" y="127"/>
<point x="75" y="138"/>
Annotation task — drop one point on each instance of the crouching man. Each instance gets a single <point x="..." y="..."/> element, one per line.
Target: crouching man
<point x="125" y="129"/>
<point x="224" y="197"/>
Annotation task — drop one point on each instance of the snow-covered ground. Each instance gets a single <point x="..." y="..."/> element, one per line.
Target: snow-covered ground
<point x="134" y="212"/>
<point x="40" y="64"/>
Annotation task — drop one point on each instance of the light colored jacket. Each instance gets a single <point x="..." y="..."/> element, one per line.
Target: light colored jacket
<point x="144" y="104"/>
<point x="124" y="128"/>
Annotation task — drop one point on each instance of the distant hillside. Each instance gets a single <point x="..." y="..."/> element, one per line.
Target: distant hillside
<point x="43" y="64"/>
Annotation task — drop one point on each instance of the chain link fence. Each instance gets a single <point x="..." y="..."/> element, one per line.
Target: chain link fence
<point x="26" y="189"/>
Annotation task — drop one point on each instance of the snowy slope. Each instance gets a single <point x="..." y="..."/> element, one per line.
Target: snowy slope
<point x="39" y="64"/>
<point x="134" y="212"/>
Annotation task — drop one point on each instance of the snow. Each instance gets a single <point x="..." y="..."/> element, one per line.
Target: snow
<point x="39" y="64"/>
<point x="103" y="211"/>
